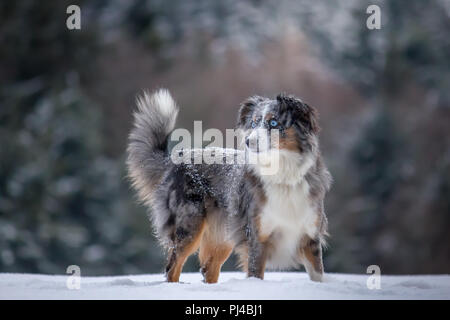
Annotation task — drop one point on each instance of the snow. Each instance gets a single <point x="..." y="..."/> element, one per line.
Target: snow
<point x="232" y="285"/>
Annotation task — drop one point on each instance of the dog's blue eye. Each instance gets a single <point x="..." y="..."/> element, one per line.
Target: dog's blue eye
<point x="273" y="123"/>
<point x="253" y="124"/>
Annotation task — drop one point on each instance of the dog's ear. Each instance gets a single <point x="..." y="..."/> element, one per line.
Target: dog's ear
<point x="246" y="110"/>
<point x="302" y="113"/>
<point x="309" y="118"/>
<point x="287" y="103"/>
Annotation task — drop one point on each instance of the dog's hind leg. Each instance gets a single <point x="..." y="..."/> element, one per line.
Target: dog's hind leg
<point x="186" y="242"/>
<point x="214" y="251"/>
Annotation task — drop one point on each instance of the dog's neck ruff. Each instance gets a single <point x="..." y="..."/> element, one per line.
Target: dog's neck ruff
<point x="289" y="169"/>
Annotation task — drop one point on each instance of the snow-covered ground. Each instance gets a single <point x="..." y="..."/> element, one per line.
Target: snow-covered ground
<point x="232" y="285"/>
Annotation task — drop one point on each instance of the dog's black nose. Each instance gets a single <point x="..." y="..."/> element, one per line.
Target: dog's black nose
<point x="247" y="142"/>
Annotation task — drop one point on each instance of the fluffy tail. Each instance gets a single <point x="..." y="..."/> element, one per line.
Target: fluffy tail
<point x="147" y="160"/>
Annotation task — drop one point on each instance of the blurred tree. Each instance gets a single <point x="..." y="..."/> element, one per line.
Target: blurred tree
<point x="66" y="99"/>
<point x="403" y="69"/>
<point x="376" y="155"/>
<point x="62" y="201"/>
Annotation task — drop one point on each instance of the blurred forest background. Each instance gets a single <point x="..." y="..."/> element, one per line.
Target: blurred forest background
<point x="66" y="99"/>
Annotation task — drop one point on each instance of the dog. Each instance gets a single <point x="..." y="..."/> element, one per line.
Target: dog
<point x="273" y="221"/>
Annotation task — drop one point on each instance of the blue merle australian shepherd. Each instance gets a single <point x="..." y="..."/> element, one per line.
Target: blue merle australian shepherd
<point x="274" y="221"/>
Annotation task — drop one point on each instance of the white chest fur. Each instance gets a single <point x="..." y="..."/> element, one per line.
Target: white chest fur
<point x="288" y="216"/>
